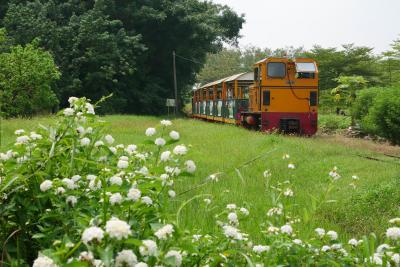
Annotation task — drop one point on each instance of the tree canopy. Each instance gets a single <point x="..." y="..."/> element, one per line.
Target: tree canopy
<point x="124" y="47"/>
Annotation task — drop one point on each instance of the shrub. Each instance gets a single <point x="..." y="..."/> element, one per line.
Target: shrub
<point x="365" y="99"/>
<point x="27" y="75"/>
<point x="383" y="116"/>
<point x="329" y="123"/>
<point x="70" y="197"/>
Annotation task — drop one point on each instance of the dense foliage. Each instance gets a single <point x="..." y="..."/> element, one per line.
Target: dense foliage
<point x="379" y="112"/>
<point x="123" y="47"/>
<point x="27" y="74"/>
<point x="70" y="197"/>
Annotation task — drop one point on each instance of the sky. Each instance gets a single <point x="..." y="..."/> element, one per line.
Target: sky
<point x="329" y="23"/>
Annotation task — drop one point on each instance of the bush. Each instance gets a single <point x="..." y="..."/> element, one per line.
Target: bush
<point x="383" y="117"/>
<point x="27" y="75"/>
<point x="365" y="99"/>
<point x="330" y="123"/>
<point x="69" y="197"/>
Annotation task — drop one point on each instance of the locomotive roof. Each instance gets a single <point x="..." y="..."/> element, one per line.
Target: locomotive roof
<point x="280" y="59"/>
<point x="244" y="76"/>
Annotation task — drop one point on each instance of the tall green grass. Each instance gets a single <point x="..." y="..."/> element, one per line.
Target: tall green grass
<point x="219" y="148"/>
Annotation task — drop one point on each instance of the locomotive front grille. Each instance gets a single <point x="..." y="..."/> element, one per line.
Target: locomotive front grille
<point x="289" y="125"/>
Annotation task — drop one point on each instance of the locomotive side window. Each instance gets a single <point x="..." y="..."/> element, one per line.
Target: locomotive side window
<point x="276" y="70"/>
<point x="256" y="74"/>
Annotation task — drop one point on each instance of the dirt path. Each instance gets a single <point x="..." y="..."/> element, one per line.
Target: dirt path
<point x="382" y="148"/>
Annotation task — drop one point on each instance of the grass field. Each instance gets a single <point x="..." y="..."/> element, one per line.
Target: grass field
<point x="223" y="148"/>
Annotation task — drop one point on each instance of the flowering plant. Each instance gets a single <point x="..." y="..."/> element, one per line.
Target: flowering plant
<point x="71" y="197"/>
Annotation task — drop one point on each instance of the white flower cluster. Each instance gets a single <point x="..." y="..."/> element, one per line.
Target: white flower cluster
<point x="118" y="229"/>
<point x="164" y="232"/>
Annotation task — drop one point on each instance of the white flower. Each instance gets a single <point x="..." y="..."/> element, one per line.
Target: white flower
<point x="180" y="150"/>
<point x="122" y="164"/>
<point x="333" y="173"/>
<point x="149" y="248"/>
<point x="336" y="246"/>
<point x="89" y="130"/>
<point x="176" y="255"/>
<point x="109" y="139"/>
<point x="99" y="143"/>
<point x="244" y="211"/>
<point x="231" y="206"/>
<point x="190" y="166"/>
<point x="332" y="235"/>
<point x="174" y="135"/>
<point x="354" y="177"/>
<point x="86" y="256"/>
<point x="89" y="108"/>
<point x="72" y="200"/>
<point x="134" y="194"/>
<point x="320" y="232"/>
<point x="126" y="258"/>
<point x="144" y="171"/>
<point x="68" y="111"/>
<point x="196" y="238"/>
<point x="72" y="99"/>
<point x="164" y="232"/>
<point x="147" y="200"/>
<point x="166" y="122"/>
<point x="115" y="198"/>
<point x="232" y="232"/>
<point x="81" y="130"/>
<point x="272" y="211"/>
<point x="172" y="193"/>
<point x="92" y="233"/>
<point x="273" y="229"/>
<point x="288" y="192"/>
<point x="150" y="131"/>
<point x="23" y="139"/>
<point x="76" y="178"/>
<point x="85" y="141"/>
<point x="291" y="166"/>
<point x="115" y="180"/>
<point x="260" y="249"/>
<point x="325" y="248"/>
<point x="19" y="131"/>
<point x="60" y="190"/>
<point x="46" y="185"/>
<point x="165" y="156"/>
<point x="35" y="136"/>
<point x="117" y="229"/>
<point x="69" y="183"/>
<point x="394" y="220"/>
<point x="160" y="142"/>
<point x="267" y="174"/>
<point x="287" y="229"/>
<point x="353" y="242"/>
<point x="393" y="233"/>
<point x="297" y="241"/>
<point x="382" y="248"/>
<point x="113" y="150"/>
<point x="376" y="259"/>
<point x="131" y="148"/>
<point x="43" y="261"/>
<point x="232" y="217"/>
<point x="396" y="258"/>
<point x="207" y="201"/>
<point x="141" y="264"/>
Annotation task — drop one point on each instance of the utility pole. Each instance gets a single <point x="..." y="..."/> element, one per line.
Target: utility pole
<point x="175" y="84"/>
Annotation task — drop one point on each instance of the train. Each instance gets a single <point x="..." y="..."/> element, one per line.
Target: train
<point x="281" y="94"/>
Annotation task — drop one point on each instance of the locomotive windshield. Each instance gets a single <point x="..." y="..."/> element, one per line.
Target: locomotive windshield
<point x="305" y="67"/>
<point x="305" y="70"/>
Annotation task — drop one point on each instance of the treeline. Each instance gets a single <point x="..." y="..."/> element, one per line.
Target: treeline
<point x="106" y="46"/>
<point x="348" y="60"/>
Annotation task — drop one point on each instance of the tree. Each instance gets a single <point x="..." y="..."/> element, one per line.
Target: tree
<point x="350" y="61"/>
<point x="27" y="74"/>
<point x="124" y="47"/>
<point x="345" y="93"/>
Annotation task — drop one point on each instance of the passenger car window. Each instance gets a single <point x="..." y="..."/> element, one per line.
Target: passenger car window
<point x="276" y="70"/>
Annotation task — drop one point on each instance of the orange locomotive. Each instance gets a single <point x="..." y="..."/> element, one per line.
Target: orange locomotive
<point x="282" y="94"/>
